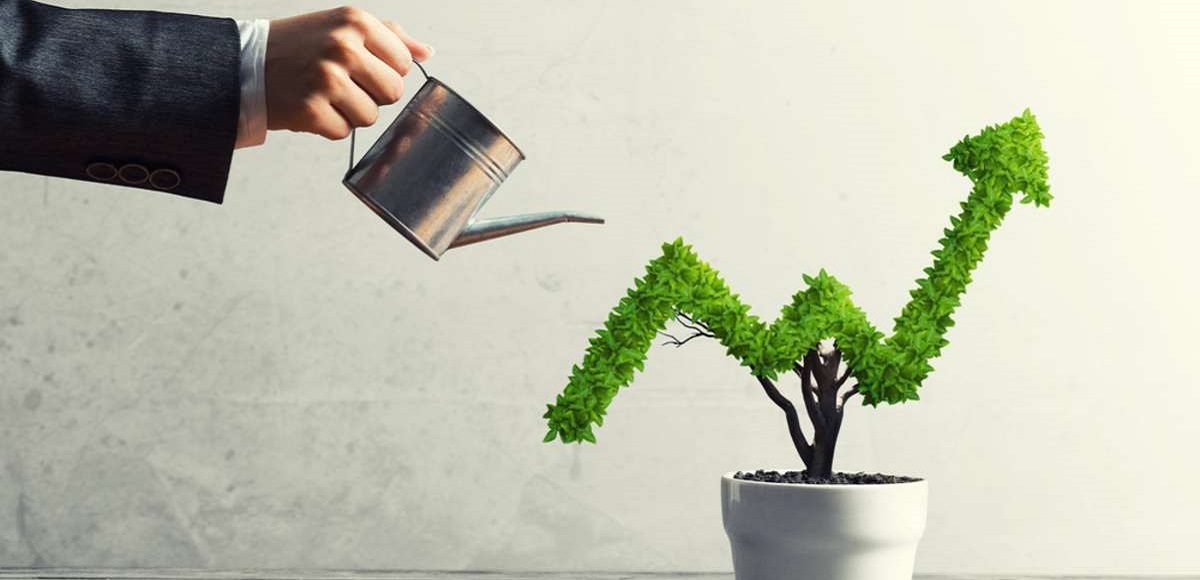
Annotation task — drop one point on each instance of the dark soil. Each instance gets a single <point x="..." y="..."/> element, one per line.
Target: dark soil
<point x="838" y="478"/>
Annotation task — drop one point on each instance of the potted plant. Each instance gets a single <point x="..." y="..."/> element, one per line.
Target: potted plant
<point x="815" y="523"/>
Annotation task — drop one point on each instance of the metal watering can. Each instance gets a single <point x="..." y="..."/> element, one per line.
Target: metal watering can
<point x="435" y="167"/>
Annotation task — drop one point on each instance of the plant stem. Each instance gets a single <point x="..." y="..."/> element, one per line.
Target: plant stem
<point x="825" y="408"/>
<point x="819" y="384"/>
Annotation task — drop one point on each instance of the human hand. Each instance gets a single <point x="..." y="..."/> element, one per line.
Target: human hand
<point x="328" y="72"/>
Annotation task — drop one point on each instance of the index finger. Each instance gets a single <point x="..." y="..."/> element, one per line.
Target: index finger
<point x="386" y="45"/>
<point x="419" y="50"/>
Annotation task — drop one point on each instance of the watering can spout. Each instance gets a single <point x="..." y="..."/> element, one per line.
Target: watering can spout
<point x="492" y="228"/>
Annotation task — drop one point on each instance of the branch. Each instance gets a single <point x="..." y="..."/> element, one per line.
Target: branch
<point x="846" y="396"/>
<point x="842" y="380"/>
<point x="678" y="343"/>
<point x="834" y="359"/>
<point x="793" y="420"/>
<point x="810" y="400"/>
<point x="824" y="374"/>
<point x="692" y="325"/>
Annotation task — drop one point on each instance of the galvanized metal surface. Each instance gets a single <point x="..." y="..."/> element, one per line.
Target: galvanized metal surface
<point x="492" y="228"/>
<point x="435" y="167"/>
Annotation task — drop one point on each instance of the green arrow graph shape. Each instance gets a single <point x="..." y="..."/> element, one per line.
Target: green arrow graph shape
<point x="1001" y="161"/>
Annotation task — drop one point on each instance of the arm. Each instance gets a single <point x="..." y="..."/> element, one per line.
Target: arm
<point x="158" y="101"/>
<point x="144" y="99"/>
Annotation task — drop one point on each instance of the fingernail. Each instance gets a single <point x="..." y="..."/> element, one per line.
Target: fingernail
<point x="429" y="48"/>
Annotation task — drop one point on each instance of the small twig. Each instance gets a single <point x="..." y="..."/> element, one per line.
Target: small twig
<point x="692" y="325"/>
<point x="673" y="340"/>
<point x="678" y="343"/>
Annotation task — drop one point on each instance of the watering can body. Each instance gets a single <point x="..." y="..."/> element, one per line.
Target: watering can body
<point x="435" y="167"/>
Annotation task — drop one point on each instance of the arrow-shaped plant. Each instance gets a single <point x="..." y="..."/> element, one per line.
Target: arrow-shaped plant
<point x="1000" y="162"/>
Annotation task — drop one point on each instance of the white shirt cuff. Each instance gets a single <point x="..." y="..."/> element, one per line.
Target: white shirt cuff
<point x="252" y="118"/>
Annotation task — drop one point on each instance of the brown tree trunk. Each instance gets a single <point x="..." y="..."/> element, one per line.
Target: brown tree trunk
<point x="819" y="386"/>
<point x="820" y="382"/>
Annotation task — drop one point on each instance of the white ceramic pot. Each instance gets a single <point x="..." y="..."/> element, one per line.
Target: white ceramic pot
<point x="785" y="531"/>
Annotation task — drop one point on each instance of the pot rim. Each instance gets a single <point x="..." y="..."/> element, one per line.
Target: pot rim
<point x="729" y="476"/>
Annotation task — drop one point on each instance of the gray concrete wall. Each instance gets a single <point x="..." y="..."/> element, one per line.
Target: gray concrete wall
<point x="283" y="381"/>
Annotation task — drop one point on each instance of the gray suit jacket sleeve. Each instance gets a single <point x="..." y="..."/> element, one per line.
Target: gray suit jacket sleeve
<point x="142" y="99"/>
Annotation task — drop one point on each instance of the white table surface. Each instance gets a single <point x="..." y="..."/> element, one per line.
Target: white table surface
<point x="181" y="574"/>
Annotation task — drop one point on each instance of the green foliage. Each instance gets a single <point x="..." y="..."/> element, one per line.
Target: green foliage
<point x="1001" y="161"/>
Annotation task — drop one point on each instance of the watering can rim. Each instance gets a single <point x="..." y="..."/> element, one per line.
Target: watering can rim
<point x="434" y="81"/>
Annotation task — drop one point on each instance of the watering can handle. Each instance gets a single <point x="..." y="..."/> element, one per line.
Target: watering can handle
<point x="352" y="130"/>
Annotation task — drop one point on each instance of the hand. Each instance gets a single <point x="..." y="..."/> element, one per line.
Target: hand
<point x="327" y="72"/>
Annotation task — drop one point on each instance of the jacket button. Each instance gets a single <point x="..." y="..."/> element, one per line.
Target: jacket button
<point x="102" y="171"/>
<point x="165" y="179"/>
<point x="133" y="174"/>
